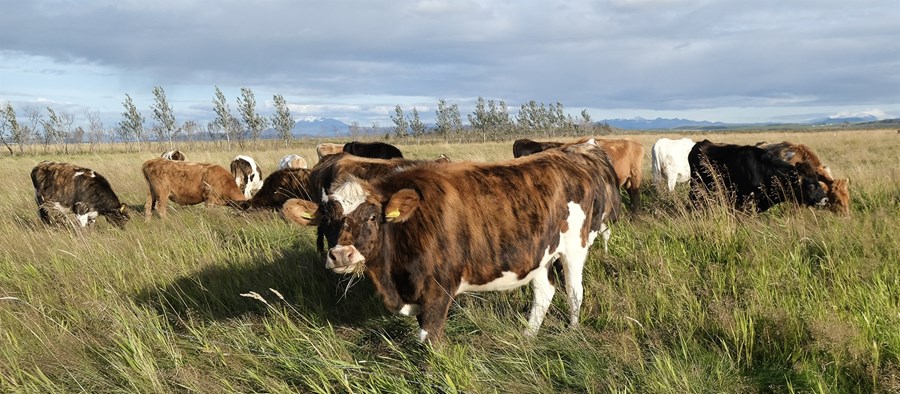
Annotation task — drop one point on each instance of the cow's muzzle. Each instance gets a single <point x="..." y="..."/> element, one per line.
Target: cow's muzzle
<point x="343" y="259"/>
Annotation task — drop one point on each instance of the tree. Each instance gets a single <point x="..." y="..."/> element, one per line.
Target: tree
<point x="479" y="119"/>
<point x="166" y="127"/>
<point x="447" y="119"/>
<point x="400" y="124"/>
<point x="95" y="128"/>
<point x="247" y="107"/>
<point x="132" y="124"/>
<point x="19" y="134"/>
<point x="190" y="128"/>
<point x="6" y="125"/>
<point x="53" y="128"/>
<point x="416" y="125"/>
<point x="282" y="120"/>
<point x="225" y="121"/>
<point x="35" y="120"/>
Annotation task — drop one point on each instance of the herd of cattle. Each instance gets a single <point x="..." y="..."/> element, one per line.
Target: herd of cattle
<point x="425" y="231"/>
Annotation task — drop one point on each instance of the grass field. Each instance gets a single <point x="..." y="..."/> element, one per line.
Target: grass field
<point x="210" y="301"/>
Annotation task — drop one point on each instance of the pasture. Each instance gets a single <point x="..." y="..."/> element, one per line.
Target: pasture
<point x="793" y="300"/>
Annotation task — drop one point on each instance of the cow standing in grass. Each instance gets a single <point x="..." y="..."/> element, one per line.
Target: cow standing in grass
<point x="670" y="162"/>
<point x="428" y="233"/>
<point x="187" y="183"/>
<point x="61" y="188"/>
<point x="837" y="190"/>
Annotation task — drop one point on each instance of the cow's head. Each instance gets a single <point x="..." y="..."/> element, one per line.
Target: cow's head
<point x="119" y="217"/>
<point x="299" y="211"/>
<point x="811" y="191"/>
<point x="356" y="215"/>
<point x="839" y="196"/>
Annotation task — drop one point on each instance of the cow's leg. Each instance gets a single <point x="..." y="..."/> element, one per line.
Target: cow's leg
<point x="543" y="294"/>
<point x="671" y="182"/>
<point x="574" y="268"/>
<point x="162" y="201"/>
<point x="634" y="192"/>
<point x="433" y="316"/>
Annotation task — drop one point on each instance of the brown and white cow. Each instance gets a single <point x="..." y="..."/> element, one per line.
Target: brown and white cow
<point x="173" y="155"/>
<point x="187" y="183"/>
<point x="292" y="161"/>
<point x="626" y="155"/>
<point x="430" y="232"/>
<point x="837" y="190"/>
<point x="247" y="174"/>
<point x="61" y="188"/>
<point x="279" y="187"/>
<point x="327" y="148"/>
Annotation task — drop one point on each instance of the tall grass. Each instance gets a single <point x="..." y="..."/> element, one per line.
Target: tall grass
<point x="793" y="300"/>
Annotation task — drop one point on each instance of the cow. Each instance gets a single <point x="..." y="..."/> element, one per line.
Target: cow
<point x="433" y="231"/>
<point x="373" y="150"/>
<point x="292" y="161"/>
<point x="670" y="162"/>
<point x="278" y="187"/>
<point x="327" y="148"/>
<point x="751" y="177"/>
<point x="61" y="188"/>
<point x="626" y="155"/>
<point x="442" y="158"/>
<point x="525" y="147"/>
<point x="837" y="190"/>
<point x="332" y="167"/>
<point x="247" y="174"/>
<point x="187" y="183"/>
<point x="173" y="155"/>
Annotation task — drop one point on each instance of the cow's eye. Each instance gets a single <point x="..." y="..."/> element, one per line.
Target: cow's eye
<point x="372" y="218"/>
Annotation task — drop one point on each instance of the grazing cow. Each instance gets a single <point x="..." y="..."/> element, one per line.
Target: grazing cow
<point x="670" y="162"/>
<point x="430" y="232"/>
<point x="324" y="174"/>
<point x="626" y="155"/>
<point x="280" y="186"/>
<point x="525" y="147"/>
<point x="187" y="183"/>
<point x="750" y="175"/>
<point x="327" y="148"/>
<point x="247" y="174"/>
<point x="64" y="188"/>
<point x="173" y="155"/>
<point x="837" y="190"/>
<point x="292" y="161"/>
<point x="442" y="158"/>
<point x="373" y="150"/>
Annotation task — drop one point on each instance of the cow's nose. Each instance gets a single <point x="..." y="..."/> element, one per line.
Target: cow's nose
<point x="342" y="255"/>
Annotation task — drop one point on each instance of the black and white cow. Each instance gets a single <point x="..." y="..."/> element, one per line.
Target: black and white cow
<point x="247" y="175"/>
<point x="63" y="188"/>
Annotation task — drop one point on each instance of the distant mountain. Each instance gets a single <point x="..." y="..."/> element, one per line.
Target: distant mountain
<point x="843" y="120"/>
<point x="320" y="127"/>
<point x="661" y="124"/>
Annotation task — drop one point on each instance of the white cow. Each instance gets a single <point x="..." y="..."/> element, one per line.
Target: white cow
<point x="670" y="162"/>
<point x="292" y="161"/>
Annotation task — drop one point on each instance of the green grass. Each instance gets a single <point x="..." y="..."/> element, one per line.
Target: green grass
<point x="793" y="300"/>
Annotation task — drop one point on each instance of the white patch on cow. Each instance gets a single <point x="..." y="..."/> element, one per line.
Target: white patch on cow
<point x="87" y="218"/>
<point x="410" y="310"/>
<point x="254" y="178"/>
<point x="508" y="280"/>
<point x="77" y="173"/>
<point x="59" y="208"/>
<point x="350" y="195"/>
<point x="423" y="335"/>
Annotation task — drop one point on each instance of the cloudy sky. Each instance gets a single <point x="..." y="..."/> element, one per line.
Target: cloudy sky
<point x="732" y="61"/>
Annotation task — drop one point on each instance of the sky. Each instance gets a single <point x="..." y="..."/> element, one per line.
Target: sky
<point x="731" y="61"/>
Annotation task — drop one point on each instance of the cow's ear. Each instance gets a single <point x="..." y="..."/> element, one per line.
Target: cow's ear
<point x="401" y="206"/>
<point x="300" y="211"/>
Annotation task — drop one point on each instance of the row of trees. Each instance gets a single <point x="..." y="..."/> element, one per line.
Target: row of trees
<point x="490" y="120"/>
<point x="57" y="128"/>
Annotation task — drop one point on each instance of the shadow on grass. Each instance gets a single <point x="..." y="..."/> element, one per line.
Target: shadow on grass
<point x="297" y="274"/>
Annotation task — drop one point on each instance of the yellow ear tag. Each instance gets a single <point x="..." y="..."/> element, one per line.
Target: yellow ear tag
<point x="393" y="214"/>
<point x="307" y="215"/>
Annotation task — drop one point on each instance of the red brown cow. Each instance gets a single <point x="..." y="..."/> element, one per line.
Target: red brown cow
<point x="430" y="232"/>
<point x="837" y="190"/>
<point x="327" y="148"/>
<point x="626" y="155"/>
<point x="61" y="188"/>
<point x="187" y="183"/>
